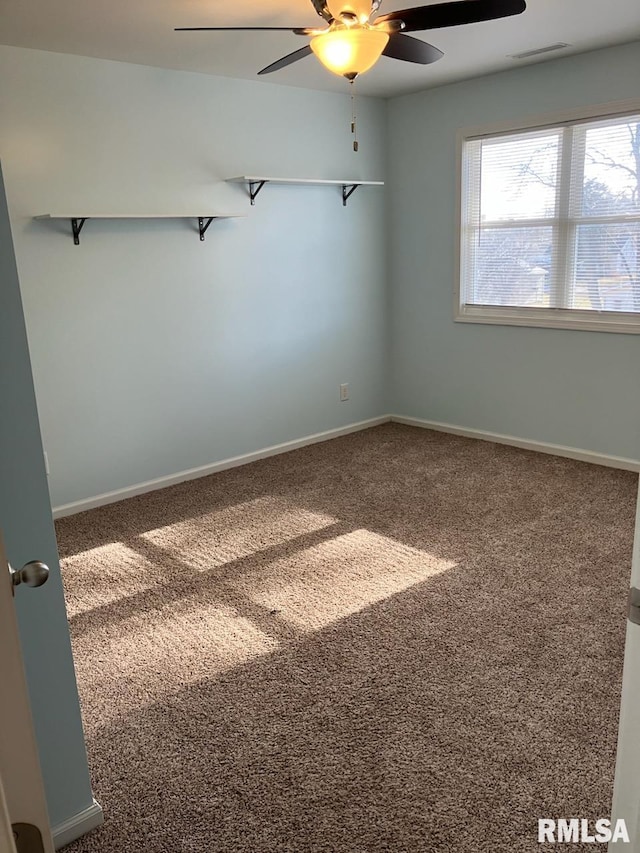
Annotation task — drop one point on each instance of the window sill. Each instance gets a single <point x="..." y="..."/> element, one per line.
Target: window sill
<point x="591" y="321"/>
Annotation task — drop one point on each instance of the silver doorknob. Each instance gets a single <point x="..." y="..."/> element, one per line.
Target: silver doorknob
<point x="34" y="573"/>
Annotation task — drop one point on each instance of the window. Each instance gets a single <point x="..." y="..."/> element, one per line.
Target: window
<point x="550" y="225"/>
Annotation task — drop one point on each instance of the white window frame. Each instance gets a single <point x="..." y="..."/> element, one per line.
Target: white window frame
<point x="552" y="318"/>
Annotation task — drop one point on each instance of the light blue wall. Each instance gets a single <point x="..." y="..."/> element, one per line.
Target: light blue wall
<point x="152" y="352"/>
<point x="25" y="519"/>
<point x="573" y="388"/>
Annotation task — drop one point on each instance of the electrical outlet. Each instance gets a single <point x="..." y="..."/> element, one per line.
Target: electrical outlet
<point x="344" y="392"/>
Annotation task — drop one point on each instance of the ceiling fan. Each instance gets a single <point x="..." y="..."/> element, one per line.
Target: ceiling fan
<point x="352" y="43"/>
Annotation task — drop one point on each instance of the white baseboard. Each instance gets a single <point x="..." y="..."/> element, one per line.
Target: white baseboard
<point x="78" y="825"/>
<point x="203" y="471"/>
<point x="525" y="444"/>
<point x="236" y="461"/>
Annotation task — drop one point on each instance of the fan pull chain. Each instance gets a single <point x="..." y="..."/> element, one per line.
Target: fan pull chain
<point x="354" y="130"/>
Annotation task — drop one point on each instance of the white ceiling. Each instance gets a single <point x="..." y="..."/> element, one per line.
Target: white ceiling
<point x="141" y="31"/>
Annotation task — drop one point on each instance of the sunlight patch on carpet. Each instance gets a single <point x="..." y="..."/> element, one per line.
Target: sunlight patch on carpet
<point x="103" y="576"/>
<point x="237" y="531"/>
<point x="339" y="577"/>
<point x="154" y="654"/>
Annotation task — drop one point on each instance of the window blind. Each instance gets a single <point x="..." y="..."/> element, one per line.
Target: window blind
<point x="551" y="219"/>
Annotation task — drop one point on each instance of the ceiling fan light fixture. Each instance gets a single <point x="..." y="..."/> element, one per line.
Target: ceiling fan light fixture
<point x="349" y="51"/>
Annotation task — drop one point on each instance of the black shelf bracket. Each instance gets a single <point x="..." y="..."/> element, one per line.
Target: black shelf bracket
<point x="76" y="227"/>
<point x="347" y="191"/>
<point x="203" y="223"/>
<point x="254" y="189"/>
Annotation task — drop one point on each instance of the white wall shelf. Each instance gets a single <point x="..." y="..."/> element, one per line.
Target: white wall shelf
<point x="77" y="222"/>
<point x="255" y="184"/>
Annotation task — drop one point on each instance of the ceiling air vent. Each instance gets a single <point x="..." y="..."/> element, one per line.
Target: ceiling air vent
<point x="538" y="50"/>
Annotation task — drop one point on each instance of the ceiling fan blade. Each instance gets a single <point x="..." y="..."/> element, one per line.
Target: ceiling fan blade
<point x="411" y="50"/>
<point x="453" y="14"/>
<point x="287" y="60"/>
<point x="299" y="31"/>
<point x="389" y="26"/>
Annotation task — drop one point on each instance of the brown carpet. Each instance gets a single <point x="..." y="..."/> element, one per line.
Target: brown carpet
<point x="395" y="641"/>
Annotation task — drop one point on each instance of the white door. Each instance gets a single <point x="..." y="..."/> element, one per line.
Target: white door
<point x="626" y="793"/>
<point x="19" y="763"/>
